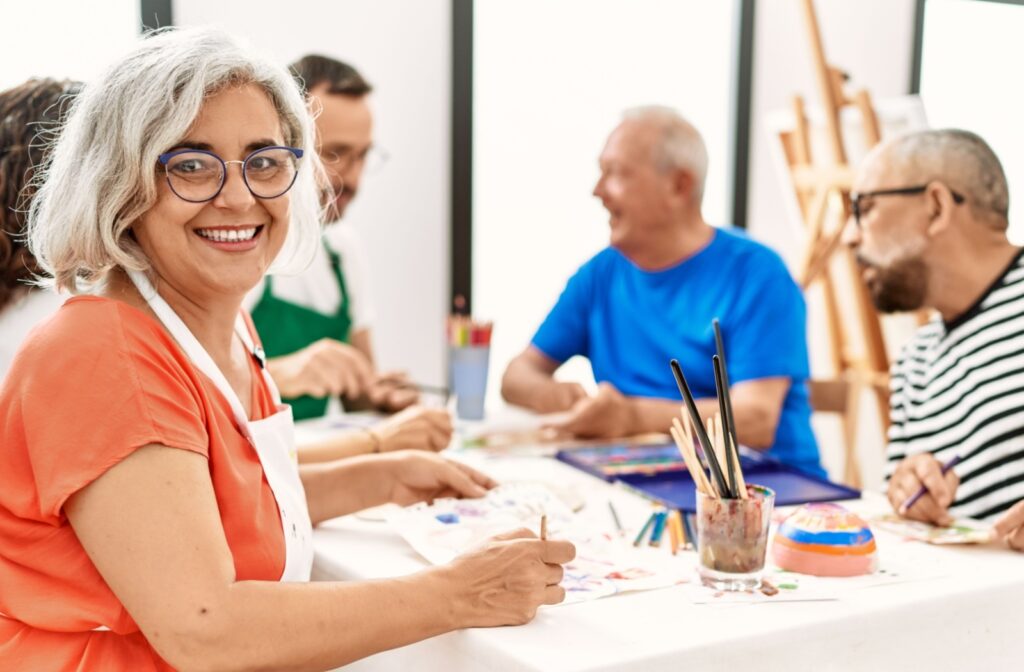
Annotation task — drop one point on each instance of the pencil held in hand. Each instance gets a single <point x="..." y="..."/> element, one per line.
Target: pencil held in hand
<point x="907" y="505"/>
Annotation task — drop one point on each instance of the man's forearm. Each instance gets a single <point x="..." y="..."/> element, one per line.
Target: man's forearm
<point x="752" y="426"/>
<point x="655" y="415"/>
<point x="521" y="383"/>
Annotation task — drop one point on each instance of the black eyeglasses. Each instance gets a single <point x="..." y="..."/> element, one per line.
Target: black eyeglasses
<point x="858" y="197"/>
<point x="197" y="175"/>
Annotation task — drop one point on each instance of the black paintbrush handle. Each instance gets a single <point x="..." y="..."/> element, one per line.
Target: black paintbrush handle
<point x="721" y="390"/>
<point x="702" y="435"/>
<point x="730" y="423"/>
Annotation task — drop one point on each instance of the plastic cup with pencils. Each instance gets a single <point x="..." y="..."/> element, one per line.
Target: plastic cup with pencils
<point x="469" y="352"/>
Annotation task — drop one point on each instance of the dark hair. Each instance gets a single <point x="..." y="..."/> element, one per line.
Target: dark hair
<point x="312" y="70"/>
<point x="30" y="115"/>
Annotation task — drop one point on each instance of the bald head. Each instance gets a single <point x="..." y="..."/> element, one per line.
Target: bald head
<point x="959" y="159"/>
<point x="677" y="144"/>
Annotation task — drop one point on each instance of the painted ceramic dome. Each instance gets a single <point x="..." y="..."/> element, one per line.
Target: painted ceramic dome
<point x="824" y="539"/>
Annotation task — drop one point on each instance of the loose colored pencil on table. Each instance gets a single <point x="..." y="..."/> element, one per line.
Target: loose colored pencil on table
<point x="643" y="530"/>
<point x="615" y="517"/>
<point x="659" y="528"/>
<point x="687" y="530"/>
<point x="681" y="523"/>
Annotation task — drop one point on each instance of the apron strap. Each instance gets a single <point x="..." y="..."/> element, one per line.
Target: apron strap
<point x="194" y="349"/>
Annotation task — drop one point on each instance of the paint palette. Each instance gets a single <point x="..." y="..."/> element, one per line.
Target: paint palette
<point x="660" y="473"/>
<point x="825" y="539"/>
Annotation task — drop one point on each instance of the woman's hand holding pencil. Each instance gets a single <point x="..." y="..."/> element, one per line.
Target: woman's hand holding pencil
<point x="505" y="580"/>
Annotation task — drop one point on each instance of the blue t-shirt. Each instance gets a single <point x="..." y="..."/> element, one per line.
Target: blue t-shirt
<point x="630" y="322"/>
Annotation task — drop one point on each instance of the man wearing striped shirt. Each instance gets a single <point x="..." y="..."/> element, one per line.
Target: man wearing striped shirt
<point x="930" y="214"/>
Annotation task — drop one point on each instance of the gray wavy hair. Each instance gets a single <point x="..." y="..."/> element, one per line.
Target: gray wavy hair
<point x="101" y="177"/>
<point x="680" y="144"/>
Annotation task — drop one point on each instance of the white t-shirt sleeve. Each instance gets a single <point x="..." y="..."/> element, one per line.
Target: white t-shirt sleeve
<point x="345" y="240"/>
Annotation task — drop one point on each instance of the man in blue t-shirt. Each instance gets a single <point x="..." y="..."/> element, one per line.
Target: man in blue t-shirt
<point x="651" y="296"/>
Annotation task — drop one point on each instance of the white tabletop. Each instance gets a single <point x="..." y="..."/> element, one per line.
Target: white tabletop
<point x="968" y="619"/>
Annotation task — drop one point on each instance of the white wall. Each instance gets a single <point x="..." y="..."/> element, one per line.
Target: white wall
<point x="871" y="40"/>
<point x="63" y="39"/>
<point x="403" y="48"/>
<point x="972" y="51"/>
<point x="550" y="85"/>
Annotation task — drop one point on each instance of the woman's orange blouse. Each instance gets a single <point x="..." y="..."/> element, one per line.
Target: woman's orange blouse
<point x="97" y="381"/>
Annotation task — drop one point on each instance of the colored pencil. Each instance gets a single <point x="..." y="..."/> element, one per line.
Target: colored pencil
<point x="702" y="437"/>
<point x="688" y="529"/>
<point x="643" y="530"/>
<point x="921" y="492"/>
<point x="615" y="517"/>
<point x="659" y="528"/>
<point x="543" y="527"/>
<point x="673" y="532"/>
<point x="682" y="529"/>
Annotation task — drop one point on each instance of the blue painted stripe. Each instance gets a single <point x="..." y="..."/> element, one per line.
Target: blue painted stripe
<point x="826" y="537"/>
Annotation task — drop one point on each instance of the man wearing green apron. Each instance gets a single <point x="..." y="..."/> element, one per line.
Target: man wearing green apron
<point x="315" y="327"/>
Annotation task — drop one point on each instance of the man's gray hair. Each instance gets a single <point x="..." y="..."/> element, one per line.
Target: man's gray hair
<point x="961" y="160"/>
<point x="102" y="173"/>
<point x="681" y="144"/>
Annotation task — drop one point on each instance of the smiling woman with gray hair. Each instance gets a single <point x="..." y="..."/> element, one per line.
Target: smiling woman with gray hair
<point x="151" y="512"/>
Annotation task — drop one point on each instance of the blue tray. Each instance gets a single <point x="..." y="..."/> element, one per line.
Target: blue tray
<point x="673" y="486"/>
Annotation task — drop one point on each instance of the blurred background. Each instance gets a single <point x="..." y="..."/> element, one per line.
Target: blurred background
<point x="493" y="114"/>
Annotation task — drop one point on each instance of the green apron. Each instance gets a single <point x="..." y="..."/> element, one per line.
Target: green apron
<point x="285" y="328"/>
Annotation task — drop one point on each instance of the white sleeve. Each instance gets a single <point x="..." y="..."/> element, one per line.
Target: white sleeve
<point x="345" y="240"/>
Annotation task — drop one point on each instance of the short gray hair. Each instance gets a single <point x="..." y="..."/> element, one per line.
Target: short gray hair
<point x="961" y="160"/>
<point x="681" y="144"/>
<point x="100" y="177"/>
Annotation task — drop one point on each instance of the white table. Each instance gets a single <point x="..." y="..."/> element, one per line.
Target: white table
<point x="969" y="620"/>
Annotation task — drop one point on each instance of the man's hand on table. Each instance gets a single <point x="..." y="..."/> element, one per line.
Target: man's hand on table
<point x="606" y="415"/>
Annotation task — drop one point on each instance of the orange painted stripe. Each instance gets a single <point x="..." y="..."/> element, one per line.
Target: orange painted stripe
<point x="866" y="549"/>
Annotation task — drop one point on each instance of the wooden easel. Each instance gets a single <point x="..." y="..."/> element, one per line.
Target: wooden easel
<point x="823" y="193"/>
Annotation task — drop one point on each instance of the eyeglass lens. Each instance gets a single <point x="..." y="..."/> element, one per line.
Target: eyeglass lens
<point x="198" y="176"/>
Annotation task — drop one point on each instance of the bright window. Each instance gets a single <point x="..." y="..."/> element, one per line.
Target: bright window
<point x="970" y="60"/>
<point x="551" y="80"/>
<point x="64" y="39"/>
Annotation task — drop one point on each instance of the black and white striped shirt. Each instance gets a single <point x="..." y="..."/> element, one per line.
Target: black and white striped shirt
<point x="958" y="389"/>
